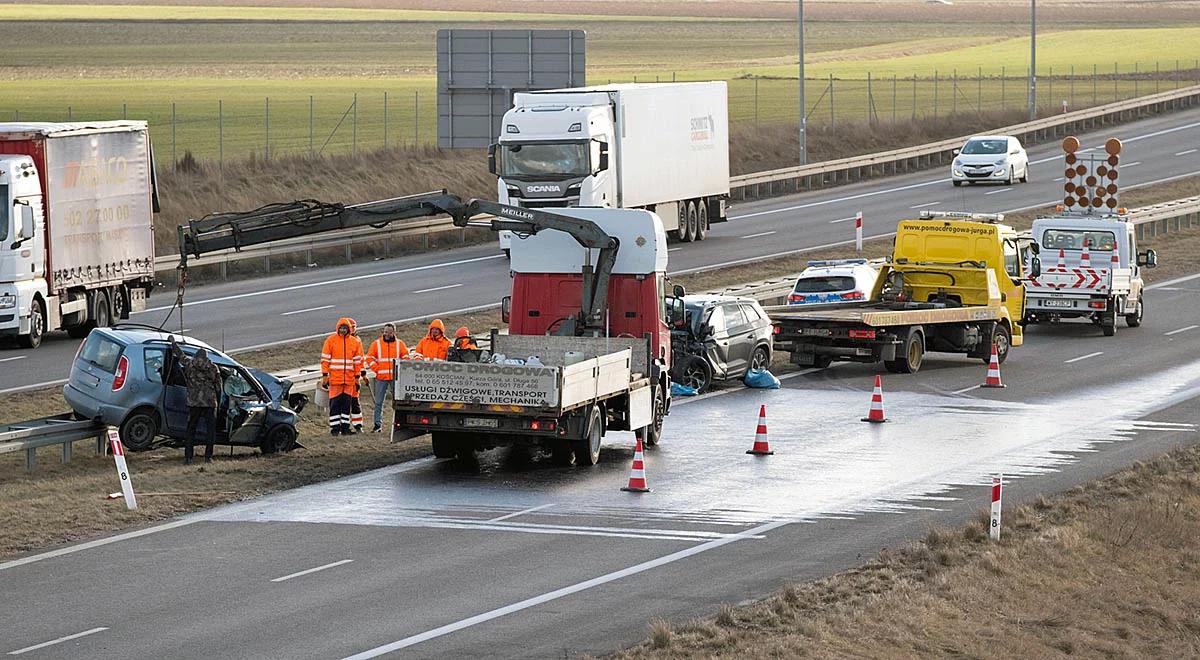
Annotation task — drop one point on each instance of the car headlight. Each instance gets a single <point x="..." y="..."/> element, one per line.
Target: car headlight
<point x="956" y="164"/>
<point x="1000" y="162"/>
<point x="957" y="172"/>
<point x="8" y="301"/>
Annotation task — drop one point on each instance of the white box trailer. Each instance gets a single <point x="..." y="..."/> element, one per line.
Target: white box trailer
<point x="78" y="203"/>
<point x="658" y="146"/>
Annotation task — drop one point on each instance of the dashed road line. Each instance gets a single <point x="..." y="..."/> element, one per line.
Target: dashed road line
<point x="1175" y="332"/>
<point x="993" y="192"/>
<point x="1083" y="357"/>
<point x="305" y="311"/>
<point x="313" y="570"/>
<point x="760" y="234"/>
<point x="10" y="359"/>
<point x="1186" y="152"/>
<point x="521" y="513"/>
<point x="967" y="389"/>
<point x="921" y="206"/>
<point x="439" y="288"/>
<point x="60" y="640"/>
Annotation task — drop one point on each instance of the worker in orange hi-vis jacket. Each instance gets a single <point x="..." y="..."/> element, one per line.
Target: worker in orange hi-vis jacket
<point x="341" y="364"/>
<point x="381" y="359"/>
<point x="356" y="416"/>
<point x="434" y="345"/>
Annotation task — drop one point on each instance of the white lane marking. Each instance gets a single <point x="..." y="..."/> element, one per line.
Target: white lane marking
<point x="834" y="222"/>
<point x="739" y="388"/>
<point x="1186" y="152"/>
<point x="993" y="192"/>
<point x="1175" y="332"/>
<point x="967" y="389"/>
<point x="568" y="530"/>
<point x="215" y="514"/>
<point x="1083" y="357"/>
<point x="305" y="311"/>
<point x="1133" y="164"/>
<point x="674" y="249"/>
<point x="840" y="199"/>
<point x="764" y="233"/>
<point x="1124" y="140"/>
<point x="60" y="640"/>
<point x="439" y="288"/>
<point x="340" y="280"/>
<point x="566" y="591"/>
<point x="1177" y="280"/>
<point x="1060" y="179"/>
<point x="921" y="206"/>
<point x="19" y="357"/>
<point x="313" y="570"/>
<point x="521" y="513"/>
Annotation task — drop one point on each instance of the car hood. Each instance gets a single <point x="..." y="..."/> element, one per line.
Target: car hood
<point x="980" y="159"/>
<point x="277" y="388"/>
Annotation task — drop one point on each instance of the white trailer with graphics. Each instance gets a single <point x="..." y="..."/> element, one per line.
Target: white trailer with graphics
<point x="77" y="203"/>
<point x="660" y="147"/>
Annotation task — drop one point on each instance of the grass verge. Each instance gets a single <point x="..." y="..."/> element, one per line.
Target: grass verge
<point x="1105" y="570"/>
<point x="69" y="499"/>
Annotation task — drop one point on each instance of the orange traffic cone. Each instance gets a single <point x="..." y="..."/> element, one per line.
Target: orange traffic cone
<point x="993" y="374"/>
<point x="1062" y="261"/>
<point x="761" y="447"/>
<point x="875" y="416"/>
<point x="1085" y="259"/>
<point x="637" y="474"/>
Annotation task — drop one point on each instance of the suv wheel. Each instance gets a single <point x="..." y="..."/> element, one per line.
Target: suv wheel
<point x="760" y="360"/>
<point x="139" y="430"/>
<point x="697" y="374"/>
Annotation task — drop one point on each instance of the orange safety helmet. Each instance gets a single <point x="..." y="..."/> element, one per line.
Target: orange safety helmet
<point x="462" y="332"/>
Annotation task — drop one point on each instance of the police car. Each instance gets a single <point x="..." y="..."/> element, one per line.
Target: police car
<point x="834" y="281"/>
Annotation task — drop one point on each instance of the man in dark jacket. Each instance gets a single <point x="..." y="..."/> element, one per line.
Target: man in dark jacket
<point x="203" y="392"/>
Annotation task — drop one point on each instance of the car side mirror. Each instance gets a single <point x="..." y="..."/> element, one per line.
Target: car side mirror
<point x="675" y="313"/>
<point x="1149" y="259"/>
<point x="25" y="222"/>
<point x="956" y="152"/>
<point x="1013" y="153"/>
<point x="1035" y="267"/>
<point x="492" y="158"/>
<point x="603" y="161"/>
<point x="678" y="291"/>
<point x="505" y="308"/>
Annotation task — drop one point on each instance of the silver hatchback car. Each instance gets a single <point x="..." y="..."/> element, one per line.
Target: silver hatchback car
<point x="126" y="377"/>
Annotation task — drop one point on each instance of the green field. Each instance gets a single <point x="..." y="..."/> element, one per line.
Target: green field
<point x="233" y="81"/>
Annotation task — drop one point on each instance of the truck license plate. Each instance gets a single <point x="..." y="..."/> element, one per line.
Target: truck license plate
<point x="1058" y="303"/>
<point x="816" y="332"/>
<point x="481" y="422"/>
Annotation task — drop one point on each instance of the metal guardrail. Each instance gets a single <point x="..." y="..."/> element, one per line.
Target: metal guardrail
<point x="826" y="173"/>
<point x="62" y="430"/>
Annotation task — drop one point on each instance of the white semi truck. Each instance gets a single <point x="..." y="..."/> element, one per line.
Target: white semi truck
<point x="660" y="147"/>
<point x="77" y="203"/>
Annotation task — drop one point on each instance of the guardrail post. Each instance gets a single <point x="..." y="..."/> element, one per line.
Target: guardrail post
<point x="66" y="452"/>
<point x="224" y="268"/>
<point x="101" y="443"/>
<point x="30" y="459"/>
<point x="349" y="254"/>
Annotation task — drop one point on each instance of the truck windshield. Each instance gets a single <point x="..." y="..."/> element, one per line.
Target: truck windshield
<point x="985" y="147"/>
<point x="4" y="213"/>
<point x="545" y="160"/>
<point x="1075" y="239"/>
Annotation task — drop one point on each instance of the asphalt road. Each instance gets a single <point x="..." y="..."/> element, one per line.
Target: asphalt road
<point x="282" y="308"/>
<point x="519" y="558"/>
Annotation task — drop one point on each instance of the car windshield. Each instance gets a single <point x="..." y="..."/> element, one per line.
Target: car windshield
<point x="545" y="160"/>
<point x="101" y="351"/>
<point x="695" y="316"/>
<point x="1075" y="239"/>
<point x="4" y="213"/>
<point x="825" y="284"/>
<point x="985" y="147"/>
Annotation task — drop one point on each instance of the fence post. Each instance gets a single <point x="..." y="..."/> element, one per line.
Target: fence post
<point x="954" y="94"/>
<point x="1050" y="87"/>
<point x="416" y="117"/>
<point x="1003" y="84"/>
<point x="1156" y="75"/>
<point x="70" y="114"/>
<point x="979" y="92"/>
<point x="174" y="160"/>
<point x="756" y="103"/>
<point x="1135" y="79"/>
<point x="1095" y="84"/>
<point x="914" y="97"/>
<point x="935" y="93"/>
<point x="1071" y="93"/>
<point x="832" y="121"/>
<point x="311" y="152"/>
<point x="124" y="111"/>
<point x="893" y="98"/>
<point x="870" y="102"/>
<point x="220" y="134"/>
<point x="354" y="126"/>
<point x="385" y="120"/>
<point x="1176" y="74"/>
<point x="267" y="124"/>
<point x="1116" y="90"/>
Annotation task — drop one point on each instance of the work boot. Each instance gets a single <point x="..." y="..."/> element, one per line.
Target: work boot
<point x="334" y="432"/>
<point x="208" y="459"/>
<point x="378" y="428"/>
<point x="187" y="460"/>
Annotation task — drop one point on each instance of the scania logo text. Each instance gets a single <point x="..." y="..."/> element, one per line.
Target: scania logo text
<point x="546" y="188"/>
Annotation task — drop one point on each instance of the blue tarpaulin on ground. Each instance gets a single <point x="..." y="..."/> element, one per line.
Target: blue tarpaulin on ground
<point x="761" y="379"/>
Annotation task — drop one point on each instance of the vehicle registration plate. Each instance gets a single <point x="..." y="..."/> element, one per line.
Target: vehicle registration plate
<point x="1058" y="303"/>
<point x="481" y="422"/>
<point x="816" y="332"/>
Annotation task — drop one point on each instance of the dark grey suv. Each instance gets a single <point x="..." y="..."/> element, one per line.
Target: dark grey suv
<point x="721" y="337"/>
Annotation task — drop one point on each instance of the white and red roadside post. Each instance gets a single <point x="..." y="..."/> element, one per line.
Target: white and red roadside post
<point x="858" y="231"/>
<point x="118" y="452"/>
<point x="997" y="485"/>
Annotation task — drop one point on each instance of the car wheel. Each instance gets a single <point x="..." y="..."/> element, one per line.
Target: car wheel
<point x="1135" y="319"/>
<point x="760" y="359"/>
<point x="279" y="439"/>
<point x="37" y="325"/>
<point x="1012" y="172"/>
<point x="587" y="449"/>
<point x="957" y="183"/>
<point x="697" y="374"/>
<point x="652" y="435"/>
<point x="1025" y="174"/>
<point x="139" y="430"/>
<point x="701" y="220"/>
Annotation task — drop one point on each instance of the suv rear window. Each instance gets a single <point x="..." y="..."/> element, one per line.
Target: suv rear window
<point x="102" y="352"/>
<point x="824" y="284"/>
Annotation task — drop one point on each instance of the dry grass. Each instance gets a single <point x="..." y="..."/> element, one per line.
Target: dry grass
<point x="1106" y="570"/>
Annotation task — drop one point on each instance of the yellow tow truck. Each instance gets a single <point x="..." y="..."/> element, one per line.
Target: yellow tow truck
<point x="954" y="284"/>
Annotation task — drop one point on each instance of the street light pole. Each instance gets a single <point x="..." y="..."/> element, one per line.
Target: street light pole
<point x="1032" y="60"/>
<point x="803" y="106"/>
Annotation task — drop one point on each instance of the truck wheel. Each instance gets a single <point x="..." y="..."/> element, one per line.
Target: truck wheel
<point x="139" y="430"/>
<point x="120" y="310"/>
<point x="701" y="220"/>
<point x="697" y="374"/>
<point x="443" y="447"/>
<point x="683" y="233"/>
<point x="279" y="439"/>
<point x="909" y="362"/>
<point x="1135" y="319"/>
<point x="693" y="220"/>
<point x="101" y="315"/>
<point x="1002" y="337"/>
<point x="587" y="449"/>
<point x="652" y="435"/>
<point x="822" y="361"/>
<point x="37" y="325"/>
<point x="1108" y="324"/>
